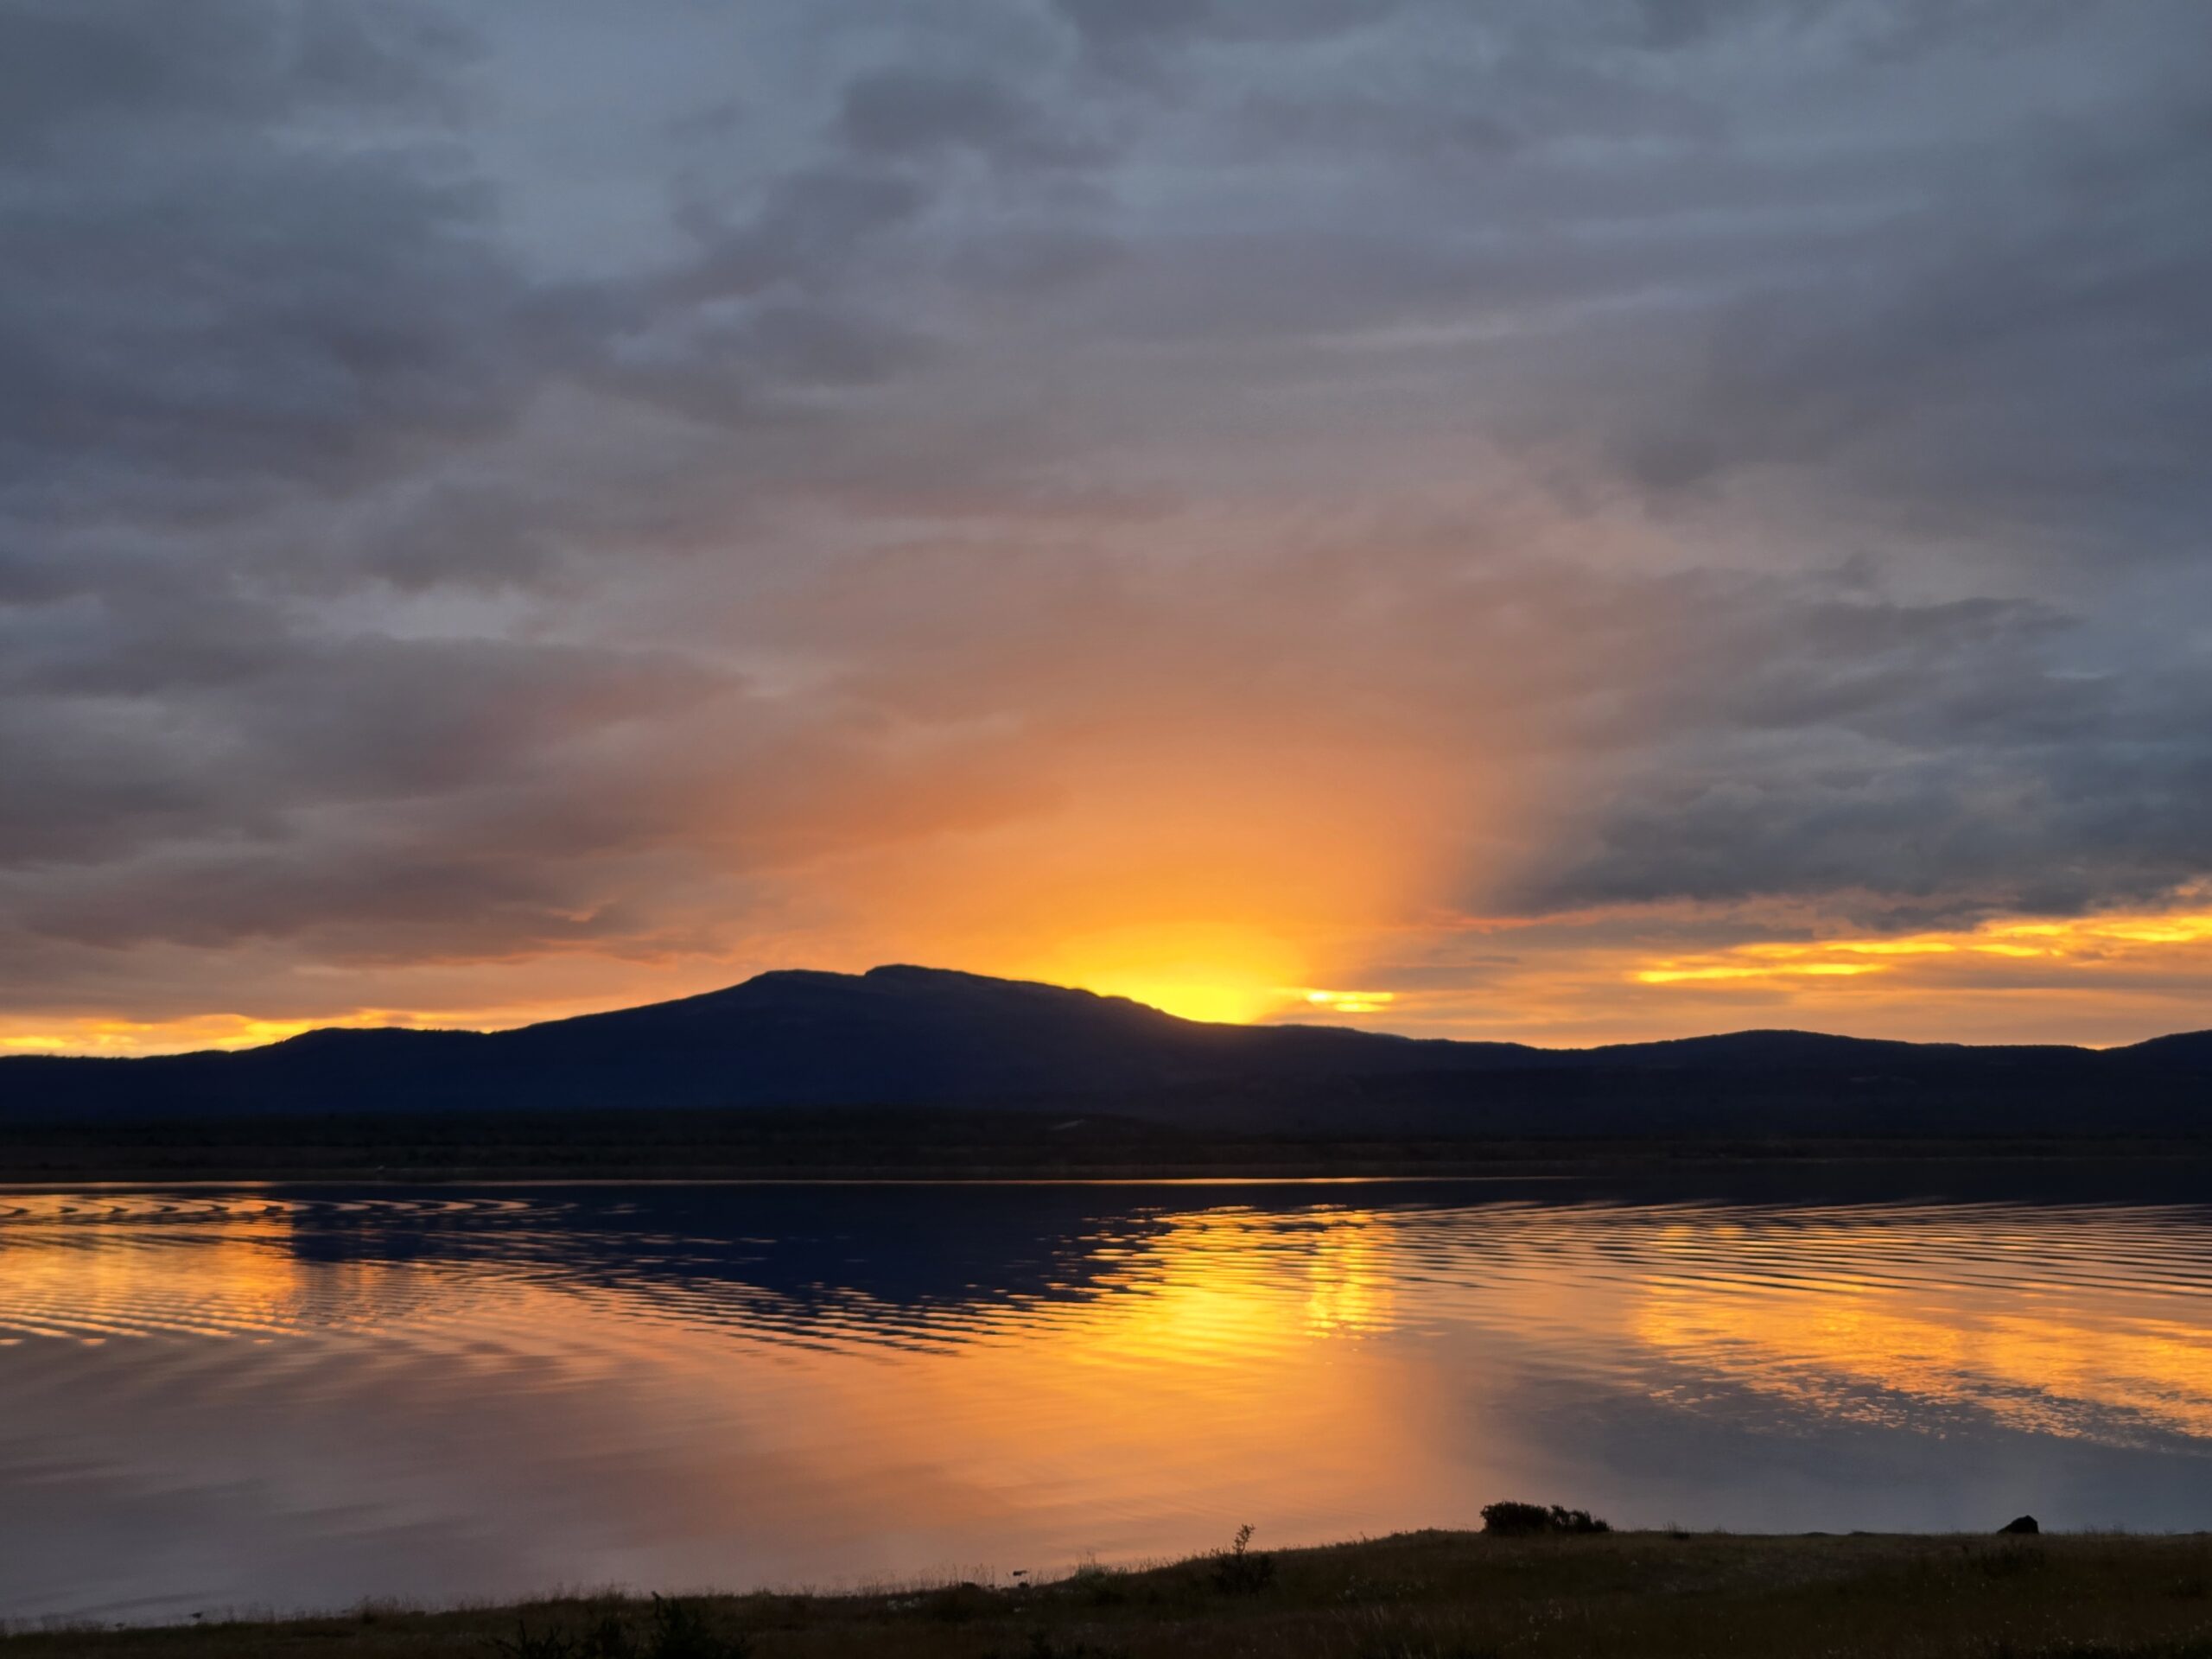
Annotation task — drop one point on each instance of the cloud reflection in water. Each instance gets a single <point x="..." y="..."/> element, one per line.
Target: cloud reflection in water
<point x="260" y="1397"/>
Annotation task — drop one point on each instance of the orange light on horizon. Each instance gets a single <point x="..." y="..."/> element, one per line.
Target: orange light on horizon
<point x="196" y="1034"/>
<point x="1348" y="1001"/>
<point x="2114" y="977"/>
<point x="1212" y="1004"/>
<point x="1220" y="973"/>
<point x="211" y="1031"/>
<point x="2085" y="942"/>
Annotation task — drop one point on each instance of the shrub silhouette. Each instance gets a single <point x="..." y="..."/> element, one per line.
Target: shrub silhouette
<point x="1041" y="1646"/>
<point x="673" y="1629"/>
<point x="1100" y="1587"/>
<point x="679" y="1630"/>
<point x="1240" y="1570"/>
<point x="955" y="1604"/>
<point x="526" y="1643"/>
<point x="1530" y="1520"/>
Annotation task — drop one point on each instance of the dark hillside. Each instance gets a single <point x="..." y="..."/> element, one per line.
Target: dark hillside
<point x="909" y="1038"/>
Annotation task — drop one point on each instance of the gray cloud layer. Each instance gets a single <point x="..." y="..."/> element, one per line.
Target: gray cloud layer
<point x="474" y="484"/>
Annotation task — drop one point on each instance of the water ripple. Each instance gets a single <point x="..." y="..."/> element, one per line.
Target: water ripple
<point x="616" y="1376"/>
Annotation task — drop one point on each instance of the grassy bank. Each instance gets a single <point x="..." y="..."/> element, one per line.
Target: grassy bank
<point x="1431" y="1595"/>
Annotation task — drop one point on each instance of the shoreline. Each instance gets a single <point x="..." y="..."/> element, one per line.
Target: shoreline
<point x="707" y="1151"/>
<point x="1420" y="1595"/>
<point x="1129" y="1176"/>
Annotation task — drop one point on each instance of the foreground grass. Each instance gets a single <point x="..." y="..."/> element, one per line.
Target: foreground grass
<point x="1429" y="1595"/>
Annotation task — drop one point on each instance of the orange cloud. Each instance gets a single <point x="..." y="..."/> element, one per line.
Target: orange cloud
<point x="2155" y="942"/>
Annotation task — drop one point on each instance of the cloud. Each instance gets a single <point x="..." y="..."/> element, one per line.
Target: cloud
<point x="906" y="113"/>
<point x="723" y="487"/>
<point x="76" y="79"/>
<point x="2019" y="356"/>
<point x="1109" y="26"/>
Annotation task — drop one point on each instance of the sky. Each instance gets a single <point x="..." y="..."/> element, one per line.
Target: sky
<point x="1571" y="520"/>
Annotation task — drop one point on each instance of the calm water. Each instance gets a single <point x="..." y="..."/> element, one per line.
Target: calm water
<point x="269" y="1398"/>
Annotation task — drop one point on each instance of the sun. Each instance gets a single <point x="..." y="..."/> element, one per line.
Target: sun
<point x="1213" y="1001"/>
<point x="1225" y="974"/>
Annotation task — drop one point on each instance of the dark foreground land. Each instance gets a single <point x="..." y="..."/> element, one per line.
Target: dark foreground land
<point x="1429" y="1595"/>
<point x="819" y="1052"/>
<point x="765" y="1144"/>
<point x="920" y="1074"/>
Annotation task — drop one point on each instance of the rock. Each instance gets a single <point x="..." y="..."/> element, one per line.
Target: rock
<point x="2024" y="1524"/>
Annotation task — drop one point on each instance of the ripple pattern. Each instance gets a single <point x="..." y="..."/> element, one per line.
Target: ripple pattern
<point x="511" y="1384"/>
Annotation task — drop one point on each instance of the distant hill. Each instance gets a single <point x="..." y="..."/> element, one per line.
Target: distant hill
<point x="903" y="1037"/>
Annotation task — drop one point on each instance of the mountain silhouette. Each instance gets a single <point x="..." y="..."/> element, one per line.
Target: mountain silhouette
<point x="907" y="1037"/>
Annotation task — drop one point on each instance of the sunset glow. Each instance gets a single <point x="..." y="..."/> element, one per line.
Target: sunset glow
<point x="124" y="1036"/>
<point x="1280" y="522"/>
<point x="2086" y="945"/>
<point x="2079" y="942"/>
<point x="2123" y="976"/>
<point x="804" y="809"/>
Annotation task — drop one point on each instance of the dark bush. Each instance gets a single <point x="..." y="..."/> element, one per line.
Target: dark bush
<point x="679" y="1630"/>
<point x="1099" y="1585"/>
<point x="1240" y="1570"/>
<point x="673" y="1629"/>
<point x="526" y="1643"/>
<point x="2010" y="1561"/>
<point x="955" y="1604"/>
<point x="1041" y="1646"/>
<point x="1530" y="1520"/>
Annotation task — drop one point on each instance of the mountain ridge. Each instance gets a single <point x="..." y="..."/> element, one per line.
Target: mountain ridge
<point x="904" y="1036"/>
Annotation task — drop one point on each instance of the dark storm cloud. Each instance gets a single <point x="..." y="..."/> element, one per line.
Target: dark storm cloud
<point x="901" y="112"/>
<point x="2037" y="350"/>
<point x="568" y="473"/>
<point x="1908" y="766"/>
<point x="71" y="75"/>
<point x="199" y="295"/>
<point x="236" y="726"/>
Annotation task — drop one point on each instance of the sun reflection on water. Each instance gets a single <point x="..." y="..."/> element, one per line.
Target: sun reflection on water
<point x="633" y="1384"/>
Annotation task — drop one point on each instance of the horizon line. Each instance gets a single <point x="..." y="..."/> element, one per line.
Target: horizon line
<point x="385" y="1020"/>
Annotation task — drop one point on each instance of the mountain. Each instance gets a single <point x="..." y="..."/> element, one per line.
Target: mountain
<point x="904" y="1037"/>
<point x="893" y="1036"/>
<point x="2188" y="1050"/>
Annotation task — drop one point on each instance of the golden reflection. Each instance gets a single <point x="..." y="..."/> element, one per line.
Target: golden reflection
<point x="2031" y="1372"/>
<point x="71" y="1275"/>
<point x="1212" y="1371"/>
<point x="1303" y="1364"/>
<point x="1220" y="1284"/>
<point x="1351" y="1279"/>
<point x="1840" y="1325"/>
<point x="1205" y="1349"/>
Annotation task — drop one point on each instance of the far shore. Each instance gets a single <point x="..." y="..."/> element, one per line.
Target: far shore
<point x="880" y="1145"/>
<point x="130" y="1172"/>
<point x="1423" y="1595"/>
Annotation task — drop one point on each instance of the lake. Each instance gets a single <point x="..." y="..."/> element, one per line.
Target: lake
<point x="267" y="1398"/>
